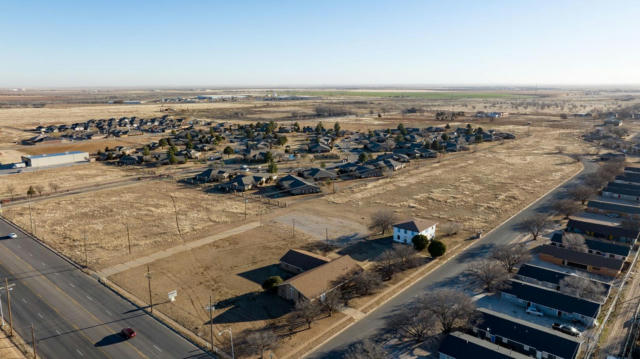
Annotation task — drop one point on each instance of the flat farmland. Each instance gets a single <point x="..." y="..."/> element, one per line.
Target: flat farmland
<point x="146" y="208"/>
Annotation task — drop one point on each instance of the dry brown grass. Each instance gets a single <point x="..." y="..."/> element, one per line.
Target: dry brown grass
<point x="65" y="177"/>
<point x="146" y="207"/>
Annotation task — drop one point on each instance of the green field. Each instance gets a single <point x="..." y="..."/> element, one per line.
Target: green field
<point x="411" y="94"/>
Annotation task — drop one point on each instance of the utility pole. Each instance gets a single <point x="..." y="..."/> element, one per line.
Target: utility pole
<point x="293" y="229"/>
<point x="211" y="320"/>
<point x="6" y="283"/>
<point x="128" y="237"/>
<point x="86" y="256"/>
<point x="30" y="215"/>
<point x="33" y="340"/>
<point x="148" y="275"/>
<point x="245" y="208"/>
<point x="326" y="235"/>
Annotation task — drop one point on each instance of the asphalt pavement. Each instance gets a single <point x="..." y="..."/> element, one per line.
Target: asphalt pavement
<point x="448" y="275"/>
<point x="74" y="316"/>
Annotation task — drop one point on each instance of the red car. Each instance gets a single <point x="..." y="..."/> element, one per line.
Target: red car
<point x="128" y="333"/>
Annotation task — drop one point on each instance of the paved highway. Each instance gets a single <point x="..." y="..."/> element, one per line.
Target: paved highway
<point x="75" y="316"/>
<point x="447" y="275"/>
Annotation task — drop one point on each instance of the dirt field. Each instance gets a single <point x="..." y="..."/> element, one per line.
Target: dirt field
<point x="477" y="189"/>
<point x="231" y="269"/>
<point x="65" y="177"/>
<point x="146" y="207"/>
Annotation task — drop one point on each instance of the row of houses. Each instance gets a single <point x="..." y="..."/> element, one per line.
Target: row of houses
<point x="595" y="244"/>
<point x="116" y="127"/>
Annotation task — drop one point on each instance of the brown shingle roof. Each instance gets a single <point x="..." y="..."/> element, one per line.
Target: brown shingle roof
<point x="593" y="260"/>
<point x="303" y="259"/>
<point x="416" y="225"/>
<point x="316" y="281"/>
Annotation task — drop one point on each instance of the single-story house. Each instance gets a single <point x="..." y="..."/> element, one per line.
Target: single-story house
<point x="298" y="261"/>
<point x="546" y="277"/>
<point x="296" y="185"/>
<point x="211" y="175"/>
<point x="458" y="345"/>
<point x="602" y="227"/>
<point x="128" y="160"/>
<point x="319" y="148"/>
<point x="317" y="282"/>
<point x="597" y="246"/>
<point x="551" y="303"/>
<point x="319" y="174"/>
<point x="405" y="231"/>
<point x="242" y="183"/>
<point x="523" y="336"/>
<point x="592" y="263"/>
<point x="605" y="206"/>
<point x="621" y="193"/>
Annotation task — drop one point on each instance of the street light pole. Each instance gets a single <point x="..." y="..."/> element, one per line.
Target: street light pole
<point x="233" y="356"/>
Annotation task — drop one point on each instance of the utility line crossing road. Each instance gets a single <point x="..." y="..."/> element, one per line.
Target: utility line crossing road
<point x="74" y="316"/>
<point x="448" y="275"/>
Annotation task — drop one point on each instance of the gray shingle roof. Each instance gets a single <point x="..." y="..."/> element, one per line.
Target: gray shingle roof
<point x="416" y="225"/>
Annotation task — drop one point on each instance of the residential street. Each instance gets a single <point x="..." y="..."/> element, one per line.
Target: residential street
<point x="447" y="275"/>
<point x="74" y="316"/>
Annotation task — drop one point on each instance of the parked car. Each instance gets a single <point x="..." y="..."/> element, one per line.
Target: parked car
<point x="534" y="311"/>
<point x="12" y="235"/>
<point x="128" y="333"/>
<point x="567" y="329"/>
<point x="477" y="235"/>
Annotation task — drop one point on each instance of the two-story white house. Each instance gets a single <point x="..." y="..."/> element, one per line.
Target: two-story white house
<point x="405" y="231"/>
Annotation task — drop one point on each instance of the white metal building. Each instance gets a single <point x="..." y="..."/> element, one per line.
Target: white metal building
<point x="51" y="159"/>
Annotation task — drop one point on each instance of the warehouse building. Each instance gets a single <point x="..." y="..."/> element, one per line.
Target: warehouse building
<point x="52" y="159"/>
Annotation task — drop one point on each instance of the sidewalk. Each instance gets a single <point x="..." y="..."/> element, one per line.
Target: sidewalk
<point x="107" y="272"/>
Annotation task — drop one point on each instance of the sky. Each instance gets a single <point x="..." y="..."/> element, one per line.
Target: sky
<point x="318" y="43"/>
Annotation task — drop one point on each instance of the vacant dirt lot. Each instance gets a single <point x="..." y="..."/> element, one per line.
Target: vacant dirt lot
<point x="147" y="208"/>
<point x="477" y="189"/>
<point x="231" y="270"/>
<point x="64" y="177"/>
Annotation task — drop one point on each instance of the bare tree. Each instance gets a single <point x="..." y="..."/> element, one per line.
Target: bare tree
<point x="451" y="308"/>
<point x="332" y="301"/>
<point x="366" y="349"/>
<point x="449" y="229"/>
<point x="489" y="274"/>
<point x="382" y="220"/>
<point x="405" y="256"/>
<point x="54" y="186"/>
<point x="387" y="264"/>
<point x="11" y="189"/>
<point x="597" y="180"/>
<point x="413" y="323"/>
<point x="510" y="255"/>
<point x="631" y="224"/>
<point x="574" y="241"/>
<point x="567" y="207"/>
<point x="305" y="311"/>
<point x="367" y="282"/>
<point x="39" y="189"/>
<point x="582" y="287"/>
<point x="581" y="193"/>
<point x="261" y="340"/>
<point x="535" y="224"/>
